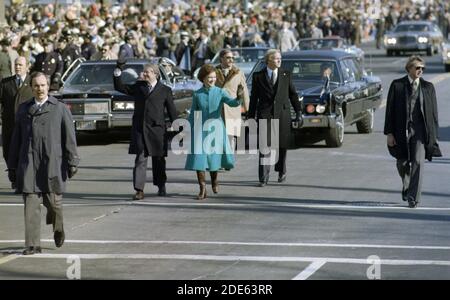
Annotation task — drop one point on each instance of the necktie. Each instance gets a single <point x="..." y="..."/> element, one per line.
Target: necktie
<point x="412" y="103"/>
<point x="19" y="81"/>
<point x="274" y="78"/>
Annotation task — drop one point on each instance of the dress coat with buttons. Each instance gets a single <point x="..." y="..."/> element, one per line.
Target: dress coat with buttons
<point x="43" y="146"/>
<point x="51" y="64"/>
<point x="11" y="96"/>
<point x="396" y="116"/>
<point x="210" y="149"/>
<point x="269" y="102"/>
<point x="148" y="131"/>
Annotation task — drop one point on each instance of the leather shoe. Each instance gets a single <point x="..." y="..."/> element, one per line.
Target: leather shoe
<point x="139" y="195"/>
<point x="162" y="191"/>
<point x="282" y="178"/>
<point x="32" y="250"/>
<point x="262" y="184"/>
<point x="412" y="203"/>
<point x="59" y="238"/>
<point x="405" y="195"/>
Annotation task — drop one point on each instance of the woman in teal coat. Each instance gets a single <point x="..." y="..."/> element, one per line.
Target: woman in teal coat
<point x="210" y="148"/>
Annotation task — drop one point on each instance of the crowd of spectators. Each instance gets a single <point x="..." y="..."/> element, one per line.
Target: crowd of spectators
<point x="199" y="29"/>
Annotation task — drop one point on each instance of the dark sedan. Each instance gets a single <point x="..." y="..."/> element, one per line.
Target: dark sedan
<point x="96" y="106"/>
<point x="417" y="36"/>
<point x="348" y="97"/>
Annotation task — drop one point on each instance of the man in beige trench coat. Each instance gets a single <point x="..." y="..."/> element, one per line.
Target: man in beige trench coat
<point x="229" y="77"/>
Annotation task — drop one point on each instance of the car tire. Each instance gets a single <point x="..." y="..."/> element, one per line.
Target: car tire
<point x="430" y="51"/>
<point x="447" y="68"/>
<point x="335" y="136"/>
<point x="389" y="52"/>
<point x="365" y="125"/>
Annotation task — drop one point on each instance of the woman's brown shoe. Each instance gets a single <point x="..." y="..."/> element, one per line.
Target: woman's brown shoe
<point x="202" y="184"/>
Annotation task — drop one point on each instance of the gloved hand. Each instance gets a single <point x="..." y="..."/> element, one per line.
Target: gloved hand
<point x="298" y="119"/>
<point x="12" y="175"/>
<point x="121" y="63"/>
<point x="72" y="171"/>
<point x="240" y="92"/>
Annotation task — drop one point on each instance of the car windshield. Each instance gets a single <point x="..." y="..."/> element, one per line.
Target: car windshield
<point x="308" y="70"/>
<point x="102" y="74"/>
<point x="319" y="44"/>
<point x="411" y="27"/>
<point x="244" y="56"/>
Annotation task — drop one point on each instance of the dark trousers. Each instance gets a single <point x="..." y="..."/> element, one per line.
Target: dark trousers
<point x="140" y="171"/>
<point x="411" y="171"/>
<point x="53" y="203"/>
<point x="264" y="164"/>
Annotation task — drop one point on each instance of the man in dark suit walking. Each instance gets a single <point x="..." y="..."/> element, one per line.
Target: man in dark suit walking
<point x="271" y="98"/>
<point x="412" y="126"/>
<point x="14" y="90"/>
<point x="148" y="137"/>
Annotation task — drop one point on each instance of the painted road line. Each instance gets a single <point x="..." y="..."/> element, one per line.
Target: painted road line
<point x="310" y="270"/>
<point x="377" y="206"/>
<point x="231" y="243"/>
<point x="256" y="204"/>
<point x="8" y="258"/>
<point x="338" y="260"/>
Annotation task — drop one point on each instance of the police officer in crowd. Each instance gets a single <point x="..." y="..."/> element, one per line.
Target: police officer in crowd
<point x="51" y="64"/>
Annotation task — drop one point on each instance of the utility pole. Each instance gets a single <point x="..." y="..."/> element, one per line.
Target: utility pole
<point x="2" y="13"/>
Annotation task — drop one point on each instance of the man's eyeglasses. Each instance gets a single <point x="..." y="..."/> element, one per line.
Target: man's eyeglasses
<point x="229" y="57"/>
<point x="420" y="68"/>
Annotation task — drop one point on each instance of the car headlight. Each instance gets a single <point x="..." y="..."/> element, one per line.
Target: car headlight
<point x="96" y="108"/>
<point x="123" y="105"/>
<point x="422" y="39"/>
<point x="448" y="54"/>
<point x="320" y="109"/>
<point x="310" y="108"/>
<point x="391" y="41"/>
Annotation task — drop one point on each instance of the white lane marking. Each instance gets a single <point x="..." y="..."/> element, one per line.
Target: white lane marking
<point x="77" y="204"/>
<point x="361" y="155"/>
<point x="394" y="262"/>
<point x="8" y="258"/>
<point x="310" y="270"/>
<point x="290" y="205"/>
<point x="256" y="204"/>
<point x="323" y="245"/>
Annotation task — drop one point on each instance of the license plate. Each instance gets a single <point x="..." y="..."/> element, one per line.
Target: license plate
<point x="85" y="125"/>
<point x="316" y="121"/>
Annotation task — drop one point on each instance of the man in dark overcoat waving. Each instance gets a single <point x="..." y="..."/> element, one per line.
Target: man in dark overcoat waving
<point x="149" y="136"/>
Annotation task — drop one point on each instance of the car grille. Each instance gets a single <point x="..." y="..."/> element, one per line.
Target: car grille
<point x="76" y="108"/>
<point x="407" y="40"/>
